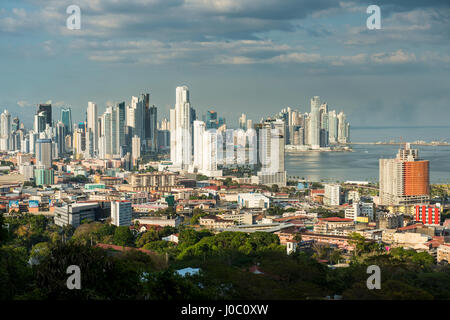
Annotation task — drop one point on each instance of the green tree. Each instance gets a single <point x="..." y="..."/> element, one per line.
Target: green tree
<point x="335" y="256"/>
<point x="167" y="285"/>
<point x="189" y="237"/>
<point x="39" y="252"/>
<point x="3" y="229"/>
<point x="148" y="236"/>
<point x="123" y="237"/>
<point x="15" y="275"/>
<point x="106" y="232"/>
<point x="160" y="246"/>
<point x="197" y="214"/>
<point x="103" y="276"/>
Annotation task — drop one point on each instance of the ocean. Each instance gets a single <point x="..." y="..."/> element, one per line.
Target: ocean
<point x="362" y="163"/>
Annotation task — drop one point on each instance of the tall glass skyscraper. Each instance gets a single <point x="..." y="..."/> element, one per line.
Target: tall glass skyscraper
<point x="66" y="119"/>
<point x="120" y="126"/>
<point x="47" y="110"/>
<point x="210" y="120"/>
<point x="151" y="129"/>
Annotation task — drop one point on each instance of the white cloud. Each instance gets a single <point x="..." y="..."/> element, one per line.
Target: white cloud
<point x="23" y="103"/>
<point x="398" y="56"/>
<point x="297" y="57"/>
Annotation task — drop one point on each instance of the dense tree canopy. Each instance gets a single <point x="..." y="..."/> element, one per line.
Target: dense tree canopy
<point x="123" y="237"/>
<point x="34" y="257"/>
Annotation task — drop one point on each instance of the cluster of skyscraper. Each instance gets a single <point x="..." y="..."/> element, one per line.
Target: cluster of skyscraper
<point x="205" y="146"/>
<point x="124" y="131"/>
<point x="317" y="129"/>
<point x="121" y="131"/>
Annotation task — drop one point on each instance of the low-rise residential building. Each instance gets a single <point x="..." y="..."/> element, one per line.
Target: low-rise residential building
<point x="404" y="239"/>
<point x="326" y="225"/>
<point x="286" y="235"/>
<point x="215" y="222"/>
<point x="259" y="227"/>
<point x="390" y="220"/>
<point x="428" y="214"/>
<point x="163" y="181"/>
<point x="340" y="241"/>
<point x="149" y="207"/>
<point x="317" y="195"/>
<point x="353" y="195"/>
<point x="443" y="253"/>
<point x="253" y="201"/>
<point x="160" y="221"/>
<point x="359" y="210"/>
<point x="239" y="217"/>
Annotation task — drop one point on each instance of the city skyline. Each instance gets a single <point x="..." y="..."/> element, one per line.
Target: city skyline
<point x="123" y="131"/>
<point x="28" y="119"/>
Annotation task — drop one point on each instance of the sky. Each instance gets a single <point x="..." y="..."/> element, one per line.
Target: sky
<point x="236" y="56"/>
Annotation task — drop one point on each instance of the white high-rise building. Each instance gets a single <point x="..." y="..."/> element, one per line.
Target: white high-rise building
<point x="332" y="195"/>
<point x="89" y="144"/>
<point x="33" y="138"/>
<point x="240" y="141"/>
<point x="5" y="140"/>
<point x="332" y="126"/>
<point x="199" y="131"/>
<point x="136" y="149"/>
<point x="78" y="143"/>
<point x="92" y="125"/>
<point x="353" y="211"/>
<point x="25" y="145"/>
<point x="180" y="123"/>
<point x="243" y="122"/>
<point x="164" y="125"/>
<point x="343" y="128"/>
<point x="101" y="147"/>
<point x="131" y="111"/>
<point x="121" y="213"/>
<point x="211" y="145"/>
<point x="249" y="124"/>
<point x="106" y="134"/>
<point x="314" y="128"/>
<point x="44" y="153"/>
<point x="271" y="153"/>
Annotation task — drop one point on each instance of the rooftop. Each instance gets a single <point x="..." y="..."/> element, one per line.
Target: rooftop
<point x="335" y="219"/>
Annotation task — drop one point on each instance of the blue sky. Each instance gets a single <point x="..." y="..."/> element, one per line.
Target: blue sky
<point x="252" y="56"/>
